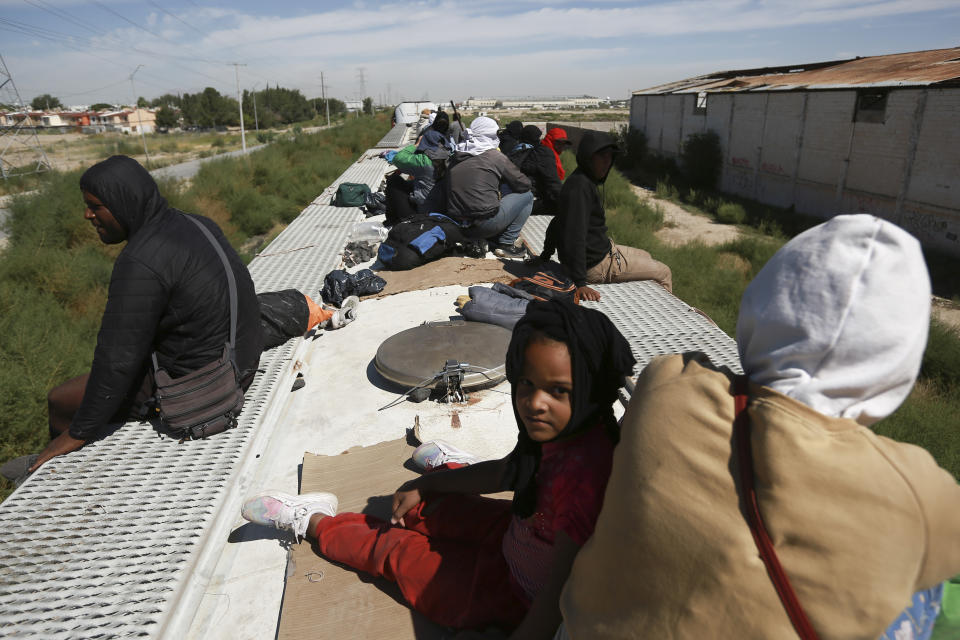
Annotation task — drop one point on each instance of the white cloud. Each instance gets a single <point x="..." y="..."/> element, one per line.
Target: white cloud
<point x="450" y="46"/>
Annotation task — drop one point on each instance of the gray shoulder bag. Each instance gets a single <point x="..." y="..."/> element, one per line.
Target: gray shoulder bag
<point x="208" y="400"/>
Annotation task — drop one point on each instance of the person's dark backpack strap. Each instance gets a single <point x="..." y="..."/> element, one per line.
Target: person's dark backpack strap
<point x="741" y="431"/>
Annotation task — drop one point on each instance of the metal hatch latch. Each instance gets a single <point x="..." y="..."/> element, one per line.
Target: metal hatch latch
<point x="451" y="381"/>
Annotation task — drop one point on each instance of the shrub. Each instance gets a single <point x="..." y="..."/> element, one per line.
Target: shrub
<point x="633" y="143"/>
<point x="730" y="213"/>
<point x="702" y="159"/>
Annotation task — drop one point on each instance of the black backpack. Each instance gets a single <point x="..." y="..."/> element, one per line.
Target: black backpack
<point x="419" y="240"/>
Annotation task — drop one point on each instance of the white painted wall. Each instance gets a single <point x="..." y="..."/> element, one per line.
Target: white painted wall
<point x="803" y="149"/>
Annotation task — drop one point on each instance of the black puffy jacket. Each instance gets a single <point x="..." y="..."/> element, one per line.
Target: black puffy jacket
<point x="168" y="293"/>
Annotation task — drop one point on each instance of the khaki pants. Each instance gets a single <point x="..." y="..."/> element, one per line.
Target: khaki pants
<point x="625" y="264"/>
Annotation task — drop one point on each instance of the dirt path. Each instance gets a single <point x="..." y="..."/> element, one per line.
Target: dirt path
<point x="682" y="227"/>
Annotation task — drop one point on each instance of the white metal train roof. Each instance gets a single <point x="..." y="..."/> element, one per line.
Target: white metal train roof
<point x="136" y="535"/>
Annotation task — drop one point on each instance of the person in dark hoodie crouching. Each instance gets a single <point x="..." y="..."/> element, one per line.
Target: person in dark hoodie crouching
<point x="579" y="231"/>
<point x="168" y="294"/>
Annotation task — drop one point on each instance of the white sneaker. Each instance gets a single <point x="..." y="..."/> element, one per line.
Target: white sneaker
<point x="430" y="455"/>
<point x="346" y="314"/>
<point x="285" y="511"/>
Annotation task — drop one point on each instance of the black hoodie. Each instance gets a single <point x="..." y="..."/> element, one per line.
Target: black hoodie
<point x="168" y="293"/>
<point x="580" y="228"/>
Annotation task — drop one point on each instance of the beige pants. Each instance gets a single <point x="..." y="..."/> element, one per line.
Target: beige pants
<point x="624" y="264"/>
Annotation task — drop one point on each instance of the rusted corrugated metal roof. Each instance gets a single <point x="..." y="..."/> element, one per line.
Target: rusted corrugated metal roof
<point x="919" y="68"/>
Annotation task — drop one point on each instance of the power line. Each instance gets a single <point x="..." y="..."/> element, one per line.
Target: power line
<point x="176" y="17"/>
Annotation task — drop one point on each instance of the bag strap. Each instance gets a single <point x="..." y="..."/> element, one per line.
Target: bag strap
<point x="741" y="429"/>
<point x="231" y="287"/>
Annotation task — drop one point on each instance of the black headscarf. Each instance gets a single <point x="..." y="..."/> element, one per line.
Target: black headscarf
<point x="510" y="136"/>
<point x="531" y="134"/>
<point x="600" y="357"/>
<point x="127" y="190"/>
<point x="441" y="124"/>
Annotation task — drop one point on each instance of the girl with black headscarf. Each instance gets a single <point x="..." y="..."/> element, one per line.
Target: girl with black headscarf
<point x="466" y="561"/>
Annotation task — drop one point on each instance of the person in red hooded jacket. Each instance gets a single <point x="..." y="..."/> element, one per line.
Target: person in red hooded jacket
<point x="556" y="140"/>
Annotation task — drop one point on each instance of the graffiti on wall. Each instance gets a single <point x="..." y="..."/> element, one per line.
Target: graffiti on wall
<point x="740" y="162"/>
<point x="926" y="225"/>
<point x="772" y="167"/>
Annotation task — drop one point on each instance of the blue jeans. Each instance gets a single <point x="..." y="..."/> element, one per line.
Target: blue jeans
<point x="504" y="227"/>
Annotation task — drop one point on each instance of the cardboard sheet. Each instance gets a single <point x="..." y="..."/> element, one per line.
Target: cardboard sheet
<point x="452" y="270"/>
<point x="328" y="601"/>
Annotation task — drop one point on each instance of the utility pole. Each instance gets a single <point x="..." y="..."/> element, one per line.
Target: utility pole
<point x="133" y="89"/>
<point x="243" y="134"/>
<point x="323" y="92"/>
<point x="363" y="88"/>
<point x="256" y="122"/>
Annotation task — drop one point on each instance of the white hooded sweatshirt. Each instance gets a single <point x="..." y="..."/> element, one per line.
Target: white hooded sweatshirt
<point x="838" y="318"/>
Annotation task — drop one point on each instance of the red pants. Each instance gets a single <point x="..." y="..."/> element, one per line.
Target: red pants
<point x="447" y="562"/>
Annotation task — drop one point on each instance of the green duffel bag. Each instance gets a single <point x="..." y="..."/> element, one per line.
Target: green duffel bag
<point x="350" y="194"/>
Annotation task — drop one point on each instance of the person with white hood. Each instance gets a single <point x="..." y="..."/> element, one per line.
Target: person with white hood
<point x="712" y="466"/>
<point x="475" y="175"/>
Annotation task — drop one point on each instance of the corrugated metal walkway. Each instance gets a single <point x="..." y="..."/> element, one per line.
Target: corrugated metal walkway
<point x="117" y="539"/>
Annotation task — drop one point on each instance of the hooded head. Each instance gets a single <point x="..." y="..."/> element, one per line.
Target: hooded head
<point x="591" y="144"/>
<point x="556" y="139"/>
<point x="531" y="134"/>
<point x="480" y="136"/>
<point x="442" y="123"/>
<point x="600" y="358"/>
<point x="838" y="318"/>
<point x="126" y="189"/>
<point x="514" y="129"/>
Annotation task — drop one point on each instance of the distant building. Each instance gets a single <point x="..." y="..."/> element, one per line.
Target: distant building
<point x="127" y="120"/>
<point x="581" y="102"/>
<point x="877" y="135"/>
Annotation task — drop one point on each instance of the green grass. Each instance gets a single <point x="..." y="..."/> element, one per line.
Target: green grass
<point x="713" y="280"/>
<point x="55" y="271"/>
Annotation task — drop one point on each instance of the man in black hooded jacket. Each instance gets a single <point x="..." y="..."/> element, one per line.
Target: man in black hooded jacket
<point x="579" y="231"/>
<point x="539" y="164"/>
<point x="168" y="293"/>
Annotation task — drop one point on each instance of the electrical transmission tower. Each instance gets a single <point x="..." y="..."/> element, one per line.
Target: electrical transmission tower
<point x="20" y="150"/>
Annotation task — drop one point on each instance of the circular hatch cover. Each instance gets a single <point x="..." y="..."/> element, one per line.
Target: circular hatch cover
<point x="411" y="356"/>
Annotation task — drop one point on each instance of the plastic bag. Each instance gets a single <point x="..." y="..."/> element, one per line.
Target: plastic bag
<point x="374" y="204"/>
<point x="339" y="284"/>
<point x="369" y="232"/>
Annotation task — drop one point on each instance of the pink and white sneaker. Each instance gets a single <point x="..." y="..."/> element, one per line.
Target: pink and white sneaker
<point x="430" y="455"/>
<point x="285" y="511"/>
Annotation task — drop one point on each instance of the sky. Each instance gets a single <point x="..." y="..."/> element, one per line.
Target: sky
<point x="84" y="51"/>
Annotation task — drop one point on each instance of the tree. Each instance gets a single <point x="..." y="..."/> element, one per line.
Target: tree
<point x="45" y="101"/>
<point x="101" y="106"/>
<point x="368" y="105"/>
<point x="337" y="107"/>
<point x="209" y="109"/>
<point x="498" y="104"/>
<point x="142" y="103"/>
<point x="167" y="118"/>
<point x="166" y="100"/>
<point x="277" y="106"/>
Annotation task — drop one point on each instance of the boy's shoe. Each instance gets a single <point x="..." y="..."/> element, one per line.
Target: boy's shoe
<point x="509" y="251"/>
<point x="430" y="455"/>
<point x="346" y="314"/>
<point x="285" y="511"/>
